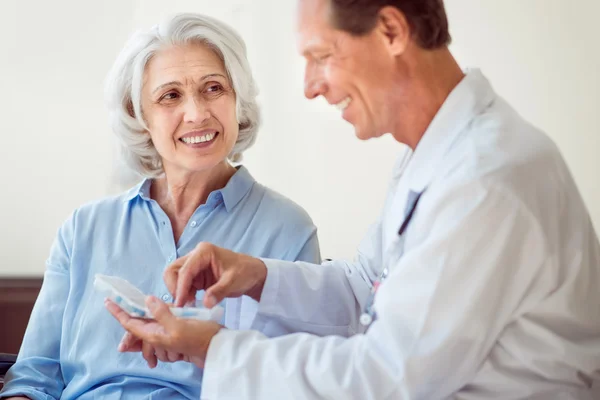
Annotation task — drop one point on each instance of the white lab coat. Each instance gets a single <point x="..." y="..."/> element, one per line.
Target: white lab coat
<point x="493" y="290"/>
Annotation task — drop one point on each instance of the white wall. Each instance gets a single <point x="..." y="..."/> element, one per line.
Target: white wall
<point x="542" y="55"/>
<point x="54" y="152"/>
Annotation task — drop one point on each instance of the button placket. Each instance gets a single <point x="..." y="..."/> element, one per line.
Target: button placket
<point x="165" y="233"/>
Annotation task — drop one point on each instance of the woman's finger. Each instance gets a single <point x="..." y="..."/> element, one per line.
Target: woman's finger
<point x="161" y="313"/>
<point x="161" y="354"/>
<point x="117" y="312"/>
<point x="174" y="357"/>
<point x="130" y="343"/>
<point x="148" y="353"/>
<point x="143" y="329"/>
<point x="133" y="325"/>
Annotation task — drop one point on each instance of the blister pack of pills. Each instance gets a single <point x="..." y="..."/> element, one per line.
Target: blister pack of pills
<point x="132" y="300"/>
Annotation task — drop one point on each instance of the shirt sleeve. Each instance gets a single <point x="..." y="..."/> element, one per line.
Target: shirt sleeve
<point x="322" y="299"/>
<point x="37" y="373"/>
<point x="310" y="251"/>
<point x="440" y="311"/>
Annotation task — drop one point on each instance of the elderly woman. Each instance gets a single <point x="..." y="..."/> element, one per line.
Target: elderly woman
<point x="182" y="102"/>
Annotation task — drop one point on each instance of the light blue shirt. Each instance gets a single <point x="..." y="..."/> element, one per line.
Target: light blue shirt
<point x="70" y="348"/>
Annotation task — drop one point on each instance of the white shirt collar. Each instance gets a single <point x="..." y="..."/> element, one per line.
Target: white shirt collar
<point x="469" y="98"/>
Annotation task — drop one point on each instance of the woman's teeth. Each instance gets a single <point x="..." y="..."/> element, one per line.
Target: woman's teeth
<point x="199" y="139"/>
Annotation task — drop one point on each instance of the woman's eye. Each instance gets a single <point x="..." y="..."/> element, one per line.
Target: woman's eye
<point x="214" y="88"/>
<point x="169" y="96"/>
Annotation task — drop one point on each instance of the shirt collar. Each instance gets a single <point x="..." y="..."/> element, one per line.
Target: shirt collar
<point x="469" y="98"/>
<point x="142" y="189"/>
<point x="238" y="186"/>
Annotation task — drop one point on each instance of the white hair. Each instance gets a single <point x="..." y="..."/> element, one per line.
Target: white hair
<point x="124" y="85"/>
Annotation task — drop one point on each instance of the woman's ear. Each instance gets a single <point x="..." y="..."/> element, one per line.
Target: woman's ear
<point x="131" y="113"/>
<point x="130" y="110"/>
<point x="394" y="28"/>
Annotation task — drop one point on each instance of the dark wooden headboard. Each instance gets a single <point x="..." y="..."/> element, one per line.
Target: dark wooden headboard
<point x="17" y="297"/>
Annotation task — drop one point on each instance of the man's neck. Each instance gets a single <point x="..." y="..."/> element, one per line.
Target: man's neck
<point x="433" y="76"/>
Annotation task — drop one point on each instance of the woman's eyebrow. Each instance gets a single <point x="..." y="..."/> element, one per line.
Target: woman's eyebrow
<point x="177" y="83"/>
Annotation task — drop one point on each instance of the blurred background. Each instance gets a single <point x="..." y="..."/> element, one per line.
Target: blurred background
<point x="57" y="151"/>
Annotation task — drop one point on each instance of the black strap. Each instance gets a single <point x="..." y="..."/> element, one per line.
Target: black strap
<point x="410" y="213"/>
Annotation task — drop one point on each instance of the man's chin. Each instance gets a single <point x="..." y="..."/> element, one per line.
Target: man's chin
<point x="364" y="134"/>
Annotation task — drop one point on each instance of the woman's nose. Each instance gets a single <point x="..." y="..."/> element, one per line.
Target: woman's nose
<point x="195" y="111"/>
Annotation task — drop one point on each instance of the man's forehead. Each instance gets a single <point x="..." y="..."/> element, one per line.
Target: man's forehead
<point x="312" y="15"/>
<point x="313" y="29"/>
<point x="313" y="8"/>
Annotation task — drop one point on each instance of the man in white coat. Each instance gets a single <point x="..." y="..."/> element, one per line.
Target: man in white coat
<point x="480" y="279"/>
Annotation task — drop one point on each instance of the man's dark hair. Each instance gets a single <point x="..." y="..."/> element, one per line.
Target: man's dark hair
<point x="426" y="18"/>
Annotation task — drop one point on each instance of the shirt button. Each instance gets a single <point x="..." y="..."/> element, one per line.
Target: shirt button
<point x="166" y="297"/>
<point x="193" y="224"/>
<point x="366" y="319"/>
<point x="171" y="258"/>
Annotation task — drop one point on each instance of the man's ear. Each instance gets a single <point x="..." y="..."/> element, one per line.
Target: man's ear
<point x="394" y="28"/>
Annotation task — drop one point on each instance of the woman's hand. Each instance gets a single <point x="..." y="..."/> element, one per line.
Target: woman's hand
<point x="132" y="344"/>
<point x="167" y="337"/>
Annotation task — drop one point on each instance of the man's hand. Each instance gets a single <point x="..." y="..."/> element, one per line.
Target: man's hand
<point x="222" y="273"/>
<point x="167" y="337"/>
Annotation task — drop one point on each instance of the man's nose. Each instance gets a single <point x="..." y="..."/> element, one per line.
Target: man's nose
<point x="314" y="84"/>
<point x="314" y="89"/>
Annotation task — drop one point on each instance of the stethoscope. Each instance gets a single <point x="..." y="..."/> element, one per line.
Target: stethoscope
<point x="369" y="315"/>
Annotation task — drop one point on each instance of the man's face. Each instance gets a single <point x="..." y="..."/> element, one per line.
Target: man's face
<point x="353" y="73"/>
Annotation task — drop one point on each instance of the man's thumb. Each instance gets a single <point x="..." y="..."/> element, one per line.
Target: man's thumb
<point x="216" y="293"/>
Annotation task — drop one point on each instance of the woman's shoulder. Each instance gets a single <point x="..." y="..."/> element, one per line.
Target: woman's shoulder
<point x="283" y="225"/>
<point x="261" y="203"/>
<point x="85" y="222"/>
<point x="103" y="207"/>
<point x="282" y="208"/>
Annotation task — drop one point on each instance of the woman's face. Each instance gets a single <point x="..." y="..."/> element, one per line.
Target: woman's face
<point x="188" y="104"/>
